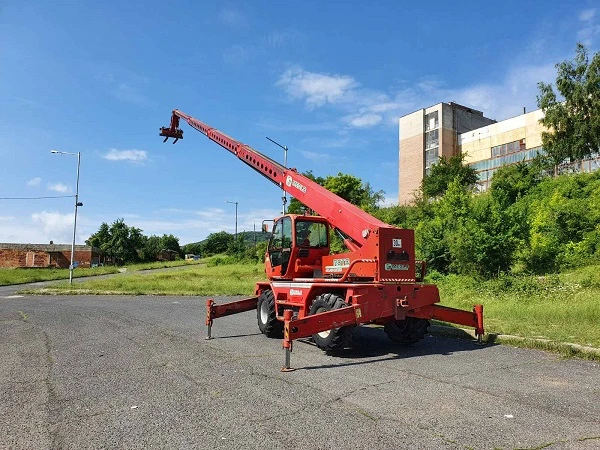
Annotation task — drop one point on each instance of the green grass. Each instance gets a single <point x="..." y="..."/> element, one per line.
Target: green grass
<point x="562" y="308"/>
<point x="20" y="276"/>
<point x="202" y="280"/>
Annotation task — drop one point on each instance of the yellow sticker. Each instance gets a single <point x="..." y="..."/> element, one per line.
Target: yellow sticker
<point x="358" y="313"/>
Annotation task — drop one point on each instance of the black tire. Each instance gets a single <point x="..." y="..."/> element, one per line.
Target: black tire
<point x="407" y="331"/>
<point x="336" y="338"/>
<point x="266" y="315"/>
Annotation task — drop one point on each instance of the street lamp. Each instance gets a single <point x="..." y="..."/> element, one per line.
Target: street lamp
<point x="78" y="154"/>
<point x="236" y="204"/>
<point x="285" y="150"/>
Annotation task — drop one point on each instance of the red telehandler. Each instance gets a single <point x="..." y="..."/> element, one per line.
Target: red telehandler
<point x="311" y="292"/>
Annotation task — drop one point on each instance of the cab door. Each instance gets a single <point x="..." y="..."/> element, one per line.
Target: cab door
<point x="280" y="248"/>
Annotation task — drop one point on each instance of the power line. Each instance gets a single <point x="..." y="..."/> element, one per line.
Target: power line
<point x="35" y="198"/>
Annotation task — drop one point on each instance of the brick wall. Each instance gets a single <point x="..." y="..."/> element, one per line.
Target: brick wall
<point x="41" y="255"/>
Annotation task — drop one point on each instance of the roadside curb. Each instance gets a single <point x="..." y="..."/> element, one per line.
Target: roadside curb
<point x="542" y="344"/>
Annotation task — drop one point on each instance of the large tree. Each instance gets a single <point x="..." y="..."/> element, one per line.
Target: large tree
<point x="118" y="241"/>
<point x="573" y="120"/>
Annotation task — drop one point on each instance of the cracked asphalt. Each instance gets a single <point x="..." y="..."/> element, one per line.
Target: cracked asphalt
<point x="136" y="372"/>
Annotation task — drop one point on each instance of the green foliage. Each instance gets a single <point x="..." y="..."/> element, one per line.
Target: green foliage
<point x="153" y="245"/>
<point x="217" y="243"/>
<point x="193" y="249"/>
<point x="444" y="172"/>
<point x="120" y="242"/>
<point x="512" y="182"/>
<point x="573" y="120"/>
<point x="124" y="244"/>
<point x="349" y="187"/>
<point x="563" y="216"/>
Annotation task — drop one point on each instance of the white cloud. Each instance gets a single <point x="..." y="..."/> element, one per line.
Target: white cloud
<point x="591" y="29"/>
<point x="54" y="225"/>
<point x="201" y="223"/>
<point x="317" y="89"/>
<point x="41" y="228"/>
<point x="364" y="120"/>
<point x="587" y="15"/>
<point x="58" y="187"/>
<point x="315" y="157"/>
<point x="34" y="181"/>
<point x="365" y="108"/>
<point x="126" y="155"/>
<point x="125" y="86"/>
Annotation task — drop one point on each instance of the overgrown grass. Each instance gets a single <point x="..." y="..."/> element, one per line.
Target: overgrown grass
<point x="563" y="308"/>
<point x="20" y="276"/>
<point x="202" y="280"/>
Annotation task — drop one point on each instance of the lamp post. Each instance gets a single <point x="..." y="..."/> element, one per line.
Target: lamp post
<point x="77" y="204"/>
<point x="285" y="150"/>
<point x="236" y="206"/>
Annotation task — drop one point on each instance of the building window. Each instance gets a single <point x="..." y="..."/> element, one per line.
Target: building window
<point x="431" y="158"/>
<point x="506" y="149"/>
<point x="431" y="139"/>
<point x="431" y="121"/>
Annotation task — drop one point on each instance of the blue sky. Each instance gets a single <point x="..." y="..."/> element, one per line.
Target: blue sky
<point x="327" y="79"/>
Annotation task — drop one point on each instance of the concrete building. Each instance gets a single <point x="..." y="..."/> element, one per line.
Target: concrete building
<point x="427" y="134"/>
<point x="48" y="255"/>
<point x="507" y="142"/>
<point x="487" y="144"/>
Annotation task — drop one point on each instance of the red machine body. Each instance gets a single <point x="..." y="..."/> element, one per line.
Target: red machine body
<point x="311" y="292"/>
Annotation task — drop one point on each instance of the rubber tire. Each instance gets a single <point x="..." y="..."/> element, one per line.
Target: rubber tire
<point x="267" y="322"/>
<point x="338" y="338"/>
<point x="407" y="331"/>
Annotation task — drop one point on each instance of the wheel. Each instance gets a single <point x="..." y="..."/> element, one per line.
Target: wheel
<point x="407" y="331"/>
<point x="336" y="338"/>
<point x="267" y="315"/>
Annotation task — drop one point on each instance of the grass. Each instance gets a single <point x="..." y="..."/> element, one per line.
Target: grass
<point x="21" y="276"/>
<point x="200" y="280"/>
<point x="562" y="308"/>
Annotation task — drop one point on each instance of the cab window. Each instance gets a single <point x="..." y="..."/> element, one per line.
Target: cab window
<point x="311" y="234"/>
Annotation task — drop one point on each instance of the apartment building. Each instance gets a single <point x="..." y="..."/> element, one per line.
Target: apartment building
<point x="447" y="129"/>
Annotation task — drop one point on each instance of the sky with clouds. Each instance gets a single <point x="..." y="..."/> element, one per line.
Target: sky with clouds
<point x="329" y="80"/>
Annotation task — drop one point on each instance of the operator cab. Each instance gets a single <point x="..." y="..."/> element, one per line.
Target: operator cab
<point x="296" y="247"/>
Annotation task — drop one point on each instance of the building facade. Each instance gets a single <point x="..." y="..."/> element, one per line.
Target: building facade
<point x="48" y="255"/>
<point x="486" y="144"/>
<point x="428" y="134"/>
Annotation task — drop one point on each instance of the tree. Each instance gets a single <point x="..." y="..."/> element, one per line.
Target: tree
<point x="119" y="241"/>
<point x="349" y="187"/>
<point x="100" y="237"/>
<point x="217" y="243"/>
<point x="444" y="172"/>
<point x="514" y="181"/>
<point x="574" y="122"/>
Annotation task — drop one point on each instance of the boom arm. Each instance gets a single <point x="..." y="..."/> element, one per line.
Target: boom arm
<point x="343" y="215"/>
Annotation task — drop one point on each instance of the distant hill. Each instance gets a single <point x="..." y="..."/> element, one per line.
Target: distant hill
<point x="248" y="237"/>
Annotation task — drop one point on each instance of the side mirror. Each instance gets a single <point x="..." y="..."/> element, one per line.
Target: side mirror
<point x="265" y="228"/>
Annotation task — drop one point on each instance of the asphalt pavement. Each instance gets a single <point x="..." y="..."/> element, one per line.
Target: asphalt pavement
<point x="94" y="372"/>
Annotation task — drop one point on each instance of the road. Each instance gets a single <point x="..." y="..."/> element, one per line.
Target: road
<point x="136" y="372"/>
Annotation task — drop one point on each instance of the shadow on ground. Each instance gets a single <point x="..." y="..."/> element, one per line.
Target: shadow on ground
<point x="371" y="344"/>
